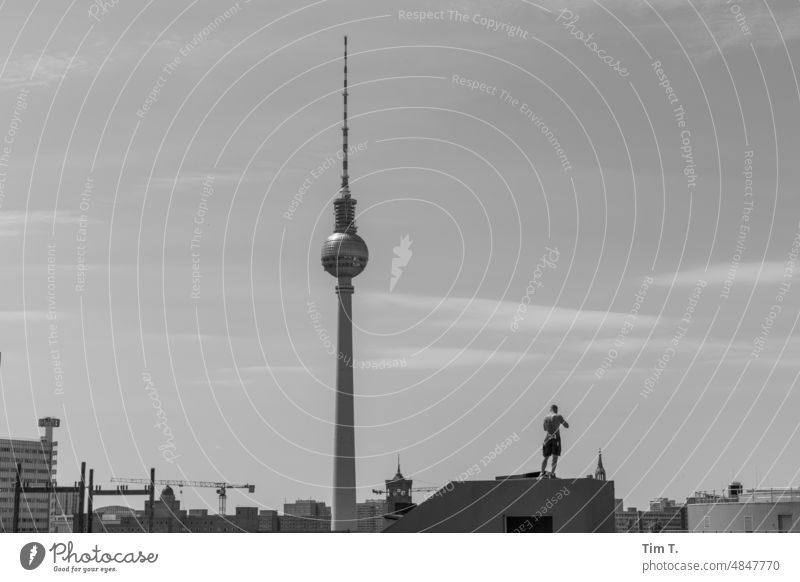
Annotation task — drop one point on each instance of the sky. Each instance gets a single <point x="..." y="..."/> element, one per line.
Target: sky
<point x="585" y="203"/>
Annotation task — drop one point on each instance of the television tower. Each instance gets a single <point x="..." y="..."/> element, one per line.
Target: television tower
<point x="344" y="255"/>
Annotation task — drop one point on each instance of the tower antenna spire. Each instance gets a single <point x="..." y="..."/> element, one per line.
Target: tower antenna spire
<point x="345" y="175"/>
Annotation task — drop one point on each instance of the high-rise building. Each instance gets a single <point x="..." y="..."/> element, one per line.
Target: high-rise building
<point x="268" y="520"/>
<point x="661" y="504"/>
<point x="626" y="520"/>
<point x="664" y="515"/>
<point x="247" y="518"/>
<point x="306" y="515"/>
<point x="65" y="506"/>
<point x="370" y="515"/>
<point x="344" y="255"/>
<point x="38" y="460"/>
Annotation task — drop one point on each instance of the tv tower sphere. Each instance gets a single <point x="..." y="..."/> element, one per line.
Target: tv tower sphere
<point x="344" y="254"/>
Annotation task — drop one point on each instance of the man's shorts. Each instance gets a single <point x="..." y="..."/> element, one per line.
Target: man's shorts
<point x="552" y="447"/>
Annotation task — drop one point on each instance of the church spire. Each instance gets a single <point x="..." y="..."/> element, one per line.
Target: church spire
<point x="600" y="472"/>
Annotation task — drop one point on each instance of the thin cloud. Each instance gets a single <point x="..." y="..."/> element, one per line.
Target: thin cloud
<point x="435" y="358"/>
<point x="13" y="223"/>
<point x="472" y="313"/>
<point x="27" y="315"/>
<point x="41" y="69"/>
<point x="745" y="273"/>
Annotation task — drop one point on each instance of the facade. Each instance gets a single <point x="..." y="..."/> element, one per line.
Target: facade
<point x="514" y="505"/>
<point x="398" y="493"/>
<point x="268" y="521"/>
<point x="39" y="460"/>
<point x="664" y="515"/>
<point x="757" y="510"/>
<point x="168" y="517"/>
<point x="247" y="518"/>
<point x="626" y="520"/>
<point x="306" y="515"/>
<point x="65" y="506"/>
<point x="370" y="515"/>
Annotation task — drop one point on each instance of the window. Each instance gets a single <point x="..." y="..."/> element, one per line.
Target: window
<point x="785" y="522"/>
<point x="529" y="524"/>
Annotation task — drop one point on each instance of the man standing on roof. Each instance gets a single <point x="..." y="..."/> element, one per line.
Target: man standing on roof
<point x="552" y="439"/>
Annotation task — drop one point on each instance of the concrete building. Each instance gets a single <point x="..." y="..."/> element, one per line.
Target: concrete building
<point x="168" y="517"/>
<point x="626" y="520"/>
<point x="247" y="518"/>
<point x="306" y="515"/>
<point x="664" y="515"/>
<point x="757" y="510"/>
<point x="116" y="510"/>
<point x="39" y="462"/>
<point x="268" y="520"/>
<point x="514" y="505"/>
<point x="370" y="515"/>
<point x="65" y="506"/>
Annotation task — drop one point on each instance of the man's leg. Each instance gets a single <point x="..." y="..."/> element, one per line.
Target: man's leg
<point x="544" y="466"/>
<point x="555" y="464"/>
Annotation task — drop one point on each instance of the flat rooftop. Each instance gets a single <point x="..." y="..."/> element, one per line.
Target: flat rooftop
<point x="568" y="505"/>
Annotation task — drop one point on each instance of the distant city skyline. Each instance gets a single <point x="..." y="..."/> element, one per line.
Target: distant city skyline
<point x="586" y="204"/>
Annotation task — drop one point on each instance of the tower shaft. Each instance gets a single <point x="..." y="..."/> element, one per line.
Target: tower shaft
<point x="344" y="464"/>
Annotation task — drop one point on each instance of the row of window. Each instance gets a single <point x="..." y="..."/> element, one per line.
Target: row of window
<point x="26" y="451"/>
<point x="784" y="523"/>
<point x="26" y="471"/>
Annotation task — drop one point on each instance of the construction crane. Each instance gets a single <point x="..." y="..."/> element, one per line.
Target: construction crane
<point x="220" y="486"/>
<point x="413" y="490"/>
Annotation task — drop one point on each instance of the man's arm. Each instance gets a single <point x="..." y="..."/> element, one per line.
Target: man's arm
<point x="564" y="422"/>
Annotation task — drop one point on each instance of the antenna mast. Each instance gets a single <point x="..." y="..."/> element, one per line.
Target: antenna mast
<point x="345" y="176"/>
